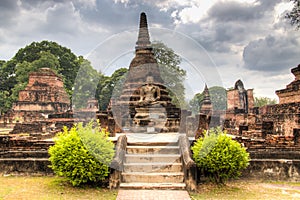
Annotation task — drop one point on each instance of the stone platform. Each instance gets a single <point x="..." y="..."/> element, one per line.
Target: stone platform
<point x="171" y="137"/>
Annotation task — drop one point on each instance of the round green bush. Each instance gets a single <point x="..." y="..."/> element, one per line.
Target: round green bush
<point x="82" y="154"/>
<point x="219" y="157"/>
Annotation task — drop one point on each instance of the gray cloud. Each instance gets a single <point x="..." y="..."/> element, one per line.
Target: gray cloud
<point x="272" y="53"/>
<point x="238" y="36"/>
<point x="237" y="11"/>
<point x="120" y="16"/>
<point x="62" y="18"/>
<point x="8" y="9"/>
<point x="234" y="11"/>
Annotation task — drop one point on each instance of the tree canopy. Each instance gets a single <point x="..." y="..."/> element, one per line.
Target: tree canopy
<point x="171" y="73"/>
<point x="109" y="86"/>
<point x="14" y="72"/>
<point x="294" y="15"/>
<point x="86" y="84"/>
<point x="263" y="101"/>
<point x="218" y="97"/>
<point x="89" y="83"/>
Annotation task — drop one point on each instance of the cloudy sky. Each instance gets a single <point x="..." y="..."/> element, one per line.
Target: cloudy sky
<point x="220" y="41"/>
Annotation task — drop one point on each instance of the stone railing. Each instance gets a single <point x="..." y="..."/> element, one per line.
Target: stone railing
<point x="189" y="166"/>
<point x="117" y="163"/>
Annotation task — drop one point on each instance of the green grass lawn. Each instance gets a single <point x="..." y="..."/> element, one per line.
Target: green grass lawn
<point x="47" y="187"/>
<point x="248" y="189"/>
<point x="27" y="187"/>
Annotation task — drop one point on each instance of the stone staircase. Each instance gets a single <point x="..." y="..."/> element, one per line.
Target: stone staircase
<point x="24" y="156"/>
<point x="152" y="165"/>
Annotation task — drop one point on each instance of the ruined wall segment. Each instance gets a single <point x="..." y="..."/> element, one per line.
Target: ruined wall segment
<point x="239" y="99"/>
<point x="291" y="93"/>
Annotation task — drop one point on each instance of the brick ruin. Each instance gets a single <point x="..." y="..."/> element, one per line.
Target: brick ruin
<point x="239" y="100"/>
<point x="144" y="104"/>
<point x="43" y="97"/>
<point x="277" y="124"/>
<point x="270" y="133"/>
<point x="44" y="93"/>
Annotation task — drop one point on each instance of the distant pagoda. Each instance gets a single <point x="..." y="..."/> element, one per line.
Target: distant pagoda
<point x="206" y="105"/>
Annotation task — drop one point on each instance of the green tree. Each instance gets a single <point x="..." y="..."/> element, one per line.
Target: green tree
<point x="4" y="102"/>
<point x="195" y="103"/>
<point x="4" y="91"/>
<point x="110" y="86"/>
<point x="67" y="64"/>
<point x="82" y="154"/>
<point x="263" y="101"/>
<point x="294" y="15"/>
<point x="46" y="60"/>
<point x="218" y="97"/>
<point x="219" y="157"/>
<point x="172" y="74"/>
<point x="86" y="84"/>
<point x="14" y="73"/>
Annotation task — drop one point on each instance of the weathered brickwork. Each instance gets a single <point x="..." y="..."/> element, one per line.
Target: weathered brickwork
<point x="291" y="93"/>
<point x="44" y="93"/>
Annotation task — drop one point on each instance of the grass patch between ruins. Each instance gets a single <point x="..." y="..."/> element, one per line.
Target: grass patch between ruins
<point x="48" y="187"/>
<point x="52" y="187"/>
<point x="248" y="189"/>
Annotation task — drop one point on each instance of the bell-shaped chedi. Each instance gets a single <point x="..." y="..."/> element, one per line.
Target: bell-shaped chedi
<point x="44" y="93"/>
<point x="144" y="63"/>
<point x="145" y="102"/>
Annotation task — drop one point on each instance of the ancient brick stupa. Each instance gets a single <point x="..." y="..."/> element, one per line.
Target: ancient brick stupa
<point x="44" y="94"/>
<point x="145" y="104"/>
<point x="206" y="105"/>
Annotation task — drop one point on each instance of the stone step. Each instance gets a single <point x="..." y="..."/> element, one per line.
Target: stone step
<point x="153" y="143"/>
<point x="153" y="167"/>
<point x="157" y="177"/>
<point x="152" y="149"/>
<point x="151" y="158"/>
<point x="24" y="154"/>
<point x="25" y="165"/>
<point x="134" y="185"/>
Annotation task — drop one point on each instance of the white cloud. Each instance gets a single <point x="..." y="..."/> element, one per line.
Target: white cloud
<point x="91" y="4"/>
<point x="120" y="1"/>
<point x="281" y="9"/>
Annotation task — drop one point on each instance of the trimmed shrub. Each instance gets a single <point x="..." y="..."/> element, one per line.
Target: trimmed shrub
<point x="82" y="154"/>
<point x="219" y="157"/>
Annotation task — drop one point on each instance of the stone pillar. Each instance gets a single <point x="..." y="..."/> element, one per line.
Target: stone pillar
<point x="202" y="121"/>
<point x="183" y="120"/>
<point x="111" y="127"/>
<point x="296" y="133"/>
<point x="191" y="126"/>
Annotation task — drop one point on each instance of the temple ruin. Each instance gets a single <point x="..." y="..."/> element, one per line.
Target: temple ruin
<point x="44" y="93"/>
<point x="144" y="104"/>
<point x="144" y="108"/>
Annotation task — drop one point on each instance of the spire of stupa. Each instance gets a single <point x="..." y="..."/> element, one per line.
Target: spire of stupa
<point x="206" y="98"/>
<point x="206" y="105"/>
<point x="143" y="38"/>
